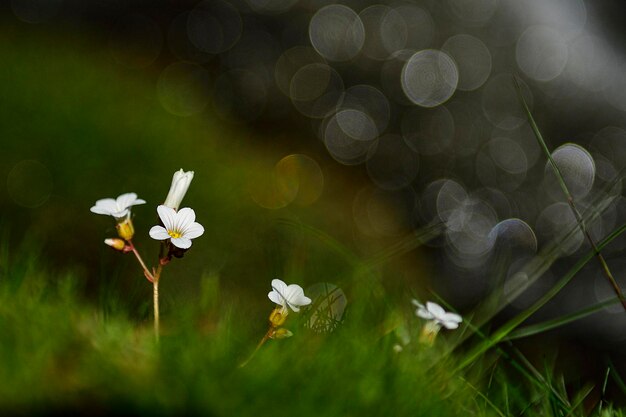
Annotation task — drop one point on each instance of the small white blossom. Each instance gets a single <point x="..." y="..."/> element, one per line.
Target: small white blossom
<point x="118" y="207"/>
<point x="178" y="189"/>
<point x="291" y="296"/>
<point x="180" y="226"/>
<point x="435" y="313"/>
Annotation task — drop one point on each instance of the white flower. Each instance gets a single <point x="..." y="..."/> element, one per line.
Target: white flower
<point x="178" y="189"/>
<point x="435" y="313"/>
<point x="291" y="296"/>
<point x="180" y="226"/>
<point x="119" y="207"/>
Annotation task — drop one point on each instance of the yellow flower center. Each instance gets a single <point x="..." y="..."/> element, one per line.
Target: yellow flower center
<point x="174" y="234"/>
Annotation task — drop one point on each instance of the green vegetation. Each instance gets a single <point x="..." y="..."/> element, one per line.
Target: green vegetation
<point x="75" y="317"/>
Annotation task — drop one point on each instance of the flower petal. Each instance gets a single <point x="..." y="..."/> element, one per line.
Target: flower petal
<point x="423" y="313"/>
<point x="417" y="303"/>
<point x="276" y="298"/>
<point x="167" y="216"/>
<point x="185" y="217"/>
<point x="106" y="206"/>
<point x="450" y="324"/>
<point x="435" y="309"/>
<point x="453" y="317"/>
<point x="125" y="200"/>
<point x="159" y="233"/>
<point x="181" y="242"/>
<point x="193" y="230"/>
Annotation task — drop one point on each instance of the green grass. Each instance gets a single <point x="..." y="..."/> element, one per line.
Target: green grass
<point x="75" y="317"/>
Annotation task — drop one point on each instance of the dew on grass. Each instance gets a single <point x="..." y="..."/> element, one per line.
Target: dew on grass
<point x="183" y="88"/>
<point x="327" y="307"/>
<point x="472" y="58"/>
<point x="337" y="32"/>
<point x="214" y="26"/>
<point x="29" y="183"/>
<point x="429" y="78"/>
<point x="576" y="166"/>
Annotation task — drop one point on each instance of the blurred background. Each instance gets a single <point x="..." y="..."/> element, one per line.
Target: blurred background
<point x="367" y="121"/>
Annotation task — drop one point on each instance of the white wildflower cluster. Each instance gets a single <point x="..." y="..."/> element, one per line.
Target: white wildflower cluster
<point x="176" y="231"/>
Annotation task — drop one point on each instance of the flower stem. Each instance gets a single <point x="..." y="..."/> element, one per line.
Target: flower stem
<point x="570" y="199"/>
<point x="261" y="343"/>
<point x="155" y="286"/>
<point x="146" y="271"/>
<point x="155" y="299"/>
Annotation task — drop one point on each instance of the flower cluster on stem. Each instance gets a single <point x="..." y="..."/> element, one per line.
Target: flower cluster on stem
<point x="177" y="229"/>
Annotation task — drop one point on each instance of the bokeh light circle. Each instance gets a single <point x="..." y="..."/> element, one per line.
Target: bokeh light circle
<point x="577" y="167"/>
<point x="501" y="104"/>
<point x="337" y="32"/>
<point x="214" y="26"/>
<point x="541" y="52"/>
<point x="429" y="78"/>
<point x="472" y="58"/>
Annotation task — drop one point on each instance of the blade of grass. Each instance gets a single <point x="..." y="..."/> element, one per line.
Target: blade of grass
<point x="603" y="393"/>
<point x="541" y="263"/>
<point x="522" y="364"/>
<point x="560" y="321"/>
<point x="513" y="323"/>
<point x="484" y="397"/>
<point x="570" y="199"/>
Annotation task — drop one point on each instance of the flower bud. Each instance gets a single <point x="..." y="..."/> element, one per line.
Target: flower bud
<point x="429" y="333"/>
<point x="178" y="189"/>
<point x="281" y="333"/>
<point x="115" y="243"/>
<point x="278" y="317"/>
<point x="125" y="229"/>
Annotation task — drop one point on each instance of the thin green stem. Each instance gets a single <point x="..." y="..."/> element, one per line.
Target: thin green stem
<point x="146" y="271"/>
<point x="509" y="326"/>
<point x="261" y="343"/>
<point x="570" y="199"/>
